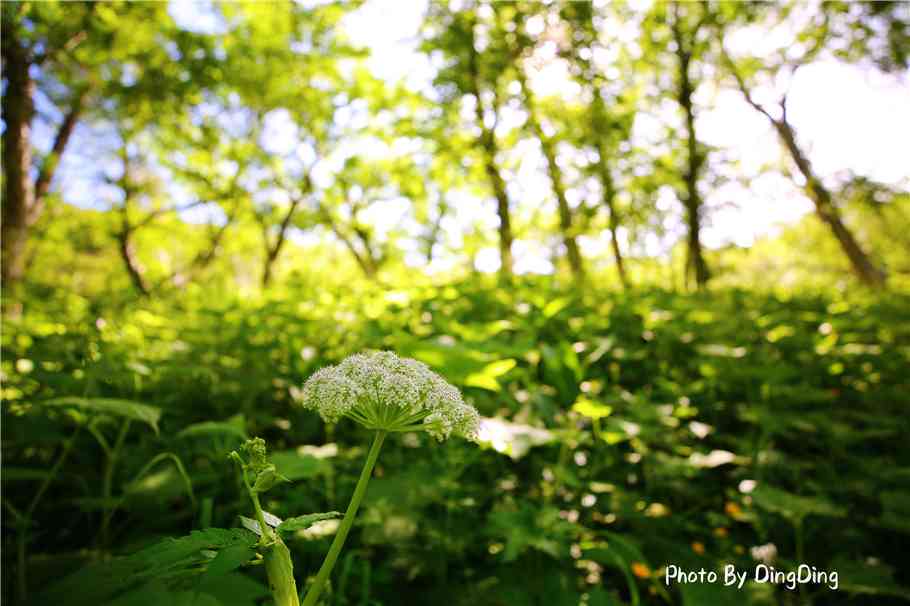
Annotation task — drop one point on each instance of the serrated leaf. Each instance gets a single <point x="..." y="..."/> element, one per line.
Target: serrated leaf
<point x="144" y="413"/>
<point x="305" y="521"/>
<point x="169" y="558"/>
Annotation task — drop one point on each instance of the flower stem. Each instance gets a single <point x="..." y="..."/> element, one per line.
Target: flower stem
<point x="338" y="542"/>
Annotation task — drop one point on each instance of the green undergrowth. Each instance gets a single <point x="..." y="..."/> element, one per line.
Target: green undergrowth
<point x="629" y="431"/>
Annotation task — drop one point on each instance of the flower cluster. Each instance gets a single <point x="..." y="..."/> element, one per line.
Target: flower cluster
<point x="384" y="392"/>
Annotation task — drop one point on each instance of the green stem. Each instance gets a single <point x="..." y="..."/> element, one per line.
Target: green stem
<point x="108" y="484"/>
<point x="266" y="535"/>
<point x="275" y="555"/>
<point x="338" y="542"/>
<point x="26" y="519"/>
<point x="265" y="531"/>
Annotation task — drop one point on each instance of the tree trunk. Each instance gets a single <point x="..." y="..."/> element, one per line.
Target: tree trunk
<point x="614" y="241"/>
<point x="695" y="261"/>
<point x="487" y="142"/>
<point x="125" y="235"/>
<point x="128" y="254"/>
<point x="599" y="128"/>
<point x="860" y="262"/>
<point x="364" y="261"/>
<point x="272" y="251"/>
<point x="556" y="180"/>
<point x="18" y="108"/>
<point x="609" y="200"/>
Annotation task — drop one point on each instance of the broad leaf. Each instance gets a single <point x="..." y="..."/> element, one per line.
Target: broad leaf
<point x="150" y="415"/>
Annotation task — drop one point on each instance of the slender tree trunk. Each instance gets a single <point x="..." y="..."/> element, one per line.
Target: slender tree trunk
<point x="599" y="128"/>
<point x="273" y="250"/>
<point x="609" y="200"/>
<point x="18" y="108"/>
<point x="614" y="242"/>
<point x="364" y="262"/>
<point x="556" y="179"/>
<point x="124" y="235"/>
<point x="372" y="259"/>
<point x="860" y="262"/>
<point x="133" y="267"/>
<point x="599" y="119"/>
<point x="432" y="237"/>
<point x="487" y="142"/>
<point x="695" y="260"/>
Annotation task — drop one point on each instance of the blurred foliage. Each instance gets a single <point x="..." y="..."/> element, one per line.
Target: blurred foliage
<point x="627" y="432"/>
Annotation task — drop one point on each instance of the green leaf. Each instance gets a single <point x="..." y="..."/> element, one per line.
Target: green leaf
<point x="622" y="554"/>
<point x="791" y="506"/>
<point x="487" y="377"/>
<point x="171" y="558"/>
<point x="555" y="306"/>
<point x="228" y="559"/>
<point x="591" y="409"/>
<point x="865" y="578"/>
<point x="895" y="510"/>
<point x="267" y="478"/>
<point x="150" y="415"/>
<point x="600" y="597"/>
<point x="234" y="589"/>
<point x="295" y="466"/>
<point x="305" y="521"/>
<point x="253" y="526"/>
<point x="232" y="428"/>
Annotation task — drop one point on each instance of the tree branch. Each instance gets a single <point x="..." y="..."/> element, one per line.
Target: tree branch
<point x="52" y="160"/>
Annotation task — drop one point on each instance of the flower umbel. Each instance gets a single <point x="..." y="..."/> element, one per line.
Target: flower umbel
<point x="383" y="392"/>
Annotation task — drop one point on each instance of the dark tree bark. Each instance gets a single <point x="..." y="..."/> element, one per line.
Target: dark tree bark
<point x="23" y="200"/>
<point x="487" y="143"/>
<point x="18" y="109"/>
<point x="556" y="180"/>
<point x="695" y="159"/>
<point x="825" y="208"/>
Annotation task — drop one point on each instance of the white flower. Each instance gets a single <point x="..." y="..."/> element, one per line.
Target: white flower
<point x="381" y="391"/>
